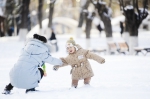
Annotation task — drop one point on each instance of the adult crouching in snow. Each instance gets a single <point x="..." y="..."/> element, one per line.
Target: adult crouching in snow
<point x="27" y="72"/>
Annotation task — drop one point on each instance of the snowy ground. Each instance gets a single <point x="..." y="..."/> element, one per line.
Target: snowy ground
<point x="121" y="77"/>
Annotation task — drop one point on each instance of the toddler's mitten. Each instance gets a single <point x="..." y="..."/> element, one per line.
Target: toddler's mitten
<point x="103" y="62"/>
<point x="55" y="67"/>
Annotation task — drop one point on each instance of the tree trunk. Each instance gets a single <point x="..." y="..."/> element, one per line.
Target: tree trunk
<point x="24" y="20"/>
<point x="79" y="28"/>
<point x="8" y="14"/>
<point x="107" y="24"/>
<point x="84" y="6"/>
<point x="133" y="39"/>
<point x="40" y="13"/>
<point x="134" y="17"/>
<point x="88" y="27"/>
<point x="51" y="10"/>
<point x="81" y="19"/>
<point x="104" y="14"/>
<point x="89" y="18"/>
<point x="133" y="30"/>
<point x="73" y="3"/>
<point x="25" y="14"/>
<point x="125" y="34"/>
<point x="133" y="42"/>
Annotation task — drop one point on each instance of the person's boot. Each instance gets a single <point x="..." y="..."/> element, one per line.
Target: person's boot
<point x="7" y="89"/>
<point x="30" y="90"/>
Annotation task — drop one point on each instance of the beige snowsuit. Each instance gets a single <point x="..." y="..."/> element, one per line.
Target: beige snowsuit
<point x="81" y="68"/>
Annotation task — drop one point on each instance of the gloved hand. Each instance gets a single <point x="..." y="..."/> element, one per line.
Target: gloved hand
<point x="56" y="67"/>
<point x="103" y="62"/>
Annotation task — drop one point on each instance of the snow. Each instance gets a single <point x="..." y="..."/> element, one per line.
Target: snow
<point x="97" y="21"/>
<point x="142" y="10"/>
<point x="106" y="15"/>
<point x="90" y="15"/>
<point x="129" y="7"/>
<point x="1" y="12"/>
<point x="121" y="77"/>
<point x="101" y="2"/>
<point x="109" y="11"/>
<point x="116" y="20"/>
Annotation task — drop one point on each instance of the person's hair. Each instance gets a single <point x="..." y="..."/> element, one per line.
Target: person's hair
<point x="39" y="37"/>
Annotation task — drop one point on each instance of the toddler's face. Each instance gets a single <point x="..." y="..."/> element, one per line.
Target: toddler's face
<point x="71" y="49"/>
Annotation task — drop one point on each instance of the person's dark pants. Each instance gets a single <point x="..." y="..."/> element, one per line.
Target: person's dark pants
<point x="42" y="73"/>
<point x="10" y="87"/>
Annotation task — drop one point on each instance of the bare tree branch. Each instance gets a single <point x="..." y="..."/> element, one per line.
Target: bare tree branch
<point x="137" y="8"/>
<point x="122" y="4"/>
<point x="145" y="4"/>
<point x="92" y="2"/>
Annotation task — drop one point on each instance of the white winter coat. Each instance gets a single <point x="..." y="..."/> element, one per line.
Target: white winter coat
<point x="25" y="73"/>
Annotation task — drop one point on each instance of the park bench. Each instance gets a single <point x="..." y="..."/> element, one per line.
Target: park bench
<point x="123" y="47"/>
<point x="119" y="47"/>
<point x="141" y="49"/>
<point x="112" y="47"/>
<point x="138" y="50"/>
<point x="147" y="50"/>
<point x="98" y="50"/>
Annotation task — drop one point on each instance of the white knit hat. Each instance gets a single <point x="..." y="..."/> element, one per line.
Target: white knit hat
<point x="71" y="43"/>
